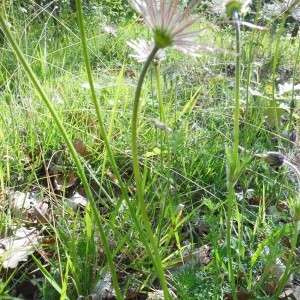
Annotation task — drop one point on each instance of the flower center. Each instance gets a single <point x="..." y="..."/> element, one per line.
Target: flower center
<point x="162" y="38"/>
<point x="233" y="6"/>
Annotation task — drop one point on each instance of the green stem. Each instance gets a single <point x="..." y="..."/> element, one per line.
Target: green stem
<point x="233" y="158"/>
<point x="134" y="127"/>
<point x="137" y="175"/>
<point x="231" y="196"/>
<point x="237" y="87"/>
<point x="237" y="125"/>
<point x="153" y="253"/>
<point x="133" y="212"/>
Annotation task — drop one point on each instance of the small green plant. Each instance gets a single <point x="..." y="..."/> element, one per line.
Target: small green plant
<point x="116" y="9"/>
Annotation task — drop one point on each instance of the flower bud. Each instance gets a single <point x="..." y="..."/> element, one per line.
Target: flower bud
<point x="274" y="159"/>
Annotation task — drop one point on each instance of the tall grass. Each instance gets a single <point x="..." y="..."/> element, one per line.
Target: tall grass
<point x="76" y="85"/>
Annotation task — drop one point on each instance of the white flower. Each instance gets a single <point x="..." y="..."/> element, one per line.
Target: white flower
<point x="110" y="30"/>
<point x="280" y="7"/>
<point x="142" y="50"/>
<point x="226" y="8"/>
<point x="171" y="26"/>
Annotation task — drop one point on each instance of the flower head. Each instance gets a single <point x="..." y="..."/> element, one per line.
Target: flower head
<point x="171" y="25"/>
<point x="227" y="8"/>
<point x="142" y="50"/>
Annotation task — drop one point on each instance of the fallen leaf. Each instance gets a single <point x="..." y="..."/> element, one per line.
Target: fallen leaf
<point x="85" y="118"/>
<point x="18" y="247"/>
<point x="289" y="295"/>
<point x="199" y="256"/>
<point x="62" y="182"/>
<point x="288" y="87"/>
<point x="104" y="288"/>
<point x="39" y="212"/>
<point x="112" y="176"/>
<point x="20" y="202"/>
<point x="275" y="272"/>
<point x="130" y="73"/>
<point x="75" y="201"/>
<point x="28" y="289"/>
<point x="241" y="295"/>
<point x="81" y="148"/>
<point x="159" y="295"/>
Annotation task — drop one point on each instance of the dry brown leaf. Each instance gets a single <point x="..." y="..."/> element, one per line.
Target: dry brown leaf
<point x="28" y="289"/>
<point x="199" y="256"/>
<point x="130" y="73"/>
<point x="62" y="182"/>
<point x="112" y="177"/>
<point x="203" y="228"/>
<point x="241" y="295"/>
<point x="81" y="148"/>
<point x="39" y="212"/>
<point x="275" y="272"/>
<point x="1" y="199"/>
<point x="289" y="295"/>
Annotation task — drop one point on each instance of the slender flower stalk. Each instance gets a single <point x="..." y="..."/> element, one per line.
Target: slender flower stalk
<point x="171" y="27"/>
<point x="233" y="9"/>
<point x="234" y="160"/>
<point x="237" y="85"/>
<point x="137" y="176"/>
<point x="292" y="102"/>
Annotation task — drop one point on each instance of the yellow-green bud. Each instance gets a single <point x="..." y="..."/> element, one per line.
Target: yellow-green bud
<point x="233" y="6"/>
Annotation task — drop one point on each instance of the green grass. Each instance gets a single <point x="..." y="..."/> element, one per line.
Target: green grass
<point x="190" y="167"/>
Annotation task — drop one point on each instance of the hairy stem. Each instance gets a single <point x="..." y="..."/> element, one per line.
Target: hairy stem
<point x="137" y="176"/>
